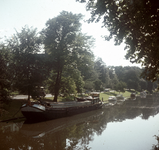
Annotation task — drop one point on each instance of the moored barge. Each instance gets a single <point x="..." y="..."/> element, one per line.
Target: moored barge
<point x="54" y="110"/>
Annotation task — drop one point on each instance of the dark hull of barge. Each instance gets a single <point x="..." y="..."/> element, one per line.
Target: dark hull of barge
<point x="54" y="113"/>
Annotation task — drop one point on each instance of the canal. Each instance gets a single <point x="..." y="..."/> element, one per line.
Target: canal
<point x="131" y="125"/>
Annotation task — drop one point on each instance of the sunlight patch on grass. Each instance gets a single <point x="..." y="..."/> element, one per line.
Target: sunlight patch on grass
<point x="106" y="95"/>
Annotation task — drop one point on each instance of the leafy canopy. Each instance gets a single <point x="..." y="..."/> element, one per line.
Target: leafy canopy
<point x="27" y="64"/>
<point x="5" y="72"/>
<point x="66" y="48"/>
<point x="135" y="23"/>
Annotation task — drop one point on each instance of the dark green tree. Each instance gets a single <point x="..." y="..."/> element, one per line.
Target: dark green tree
<point x="100" y="68"/>
<point x="150" y="86"/>
<point x="98" y="85"/>
<point x="143" y="84"/>
<point x="65" y="45"/>
<point x="85" y="61"/>
<point x="71" y="82"/>
<point x="120" y="86"/>
<point x="5" y="72"/>
<point x="132" y="79"/>
<point x="27" y="63"/>
<point x="102" y="71"/>
<point x="136" y="24"/>
<point x="113" y="78"/>
<point x="120" y="72"/>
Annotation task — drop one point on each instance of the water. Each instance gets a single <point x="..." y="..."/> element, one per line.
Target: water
<point x="128" y="126"/>
<point x="136" y="134"/>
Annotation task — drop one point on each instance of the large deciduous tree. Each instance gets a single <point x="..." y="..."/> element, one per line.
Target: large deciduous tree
<point x="135" y="23"/>
<point x="5" y="72"/>
<point x="66" y="46"/>
<point x="103" y="71"/>
<point x="27" y="63"/>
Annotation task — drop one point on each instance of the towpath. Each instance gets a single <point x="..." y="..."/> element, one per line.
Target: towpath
<point x="26" y="96"/>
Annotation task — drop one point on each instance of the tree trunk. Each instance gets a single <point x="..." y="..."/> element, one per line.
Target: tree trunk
<point x="57" y="85"/>
<point x="29" y="102"/>
<point x="55" y="97"/>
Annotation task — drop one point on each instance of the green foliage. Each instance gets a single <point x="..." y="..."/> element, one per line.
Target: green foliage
<point x="102" y="71"/>
<point x="113" y="78"/>
<point x="131" y="76"/>
<point x="98" y="85"/>
<point x="84" y="56"/>
<point x="27" y="63"/>
<point x="68" y="65"/>
<point x="5" y="73"/>
<point x="120" y="86"/>
<point x="132" y="79"/>
<point x="89" y="85"/>
<point x="78" y="79"/>
<point x="67" y="51"/>
<point x="69" y="86"/>
<point x="143" y="84"/>
<point x="136" y="24"/>
<point x="71" y="82"/>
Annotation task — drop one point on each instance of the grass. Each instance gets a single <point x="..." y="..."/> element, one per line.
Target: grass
<point x="106" y="95"/>
<point x="14" y="93"/>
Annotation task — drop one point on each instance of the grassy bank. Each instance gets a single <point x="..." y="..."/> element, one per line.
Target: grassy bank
<point x="106" y="95"/>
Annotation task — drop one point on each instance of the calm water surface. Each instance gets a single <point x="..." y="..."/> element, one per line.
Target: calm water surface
<point x="127" y="126"/>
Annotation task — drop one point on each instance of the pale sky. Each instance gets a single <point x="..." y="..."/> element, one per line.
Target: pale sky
<point x="15" y="14"/>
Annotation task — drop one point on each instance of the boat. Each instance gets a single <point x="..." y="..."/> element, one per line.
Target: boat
<point x="112" y="99"/>
<point x="133" y="96"/>
<point x="143" y="94"/>
<point x="53" y="110"/>
<point x="95" y="94"/>
<point x="120" y="98"/>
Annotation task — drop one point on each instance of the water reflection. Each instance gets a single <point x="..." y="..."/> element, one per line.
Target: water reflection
<point x="75" y="132"/>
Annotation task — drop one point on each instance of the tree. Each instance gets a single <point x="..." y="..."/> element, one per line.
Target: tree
<point x="85" y="60"/>
<point x="143" y="84"/>
<point x="5" y="72"/>
<point x="120" y="86"/>
<point x="88" y="72"/>
<point x="65" y="45"/>
<point x="102" y="72"/>
<point x="120" y="72"/>
<point x="71" y="82"/>
<point x="100" y="68"/>
<point x="132" y="79"/>
<point x="98" y="85"/>
<point x="113" y="78"/>
<point x="27" y="63"/>
<point x="135" y="23"/>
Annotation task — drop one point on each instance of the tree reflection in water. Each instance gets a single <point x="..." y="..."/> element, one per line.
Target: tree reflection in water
<point x="74" y="132"/>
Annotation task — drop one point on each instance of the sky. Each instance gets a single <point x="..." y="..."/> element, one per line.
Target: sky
<point x="15" y="14"/>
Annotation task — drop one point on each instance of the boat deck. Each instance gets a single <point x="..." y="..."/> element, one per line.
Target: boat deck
<point x="69" y="104"/>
